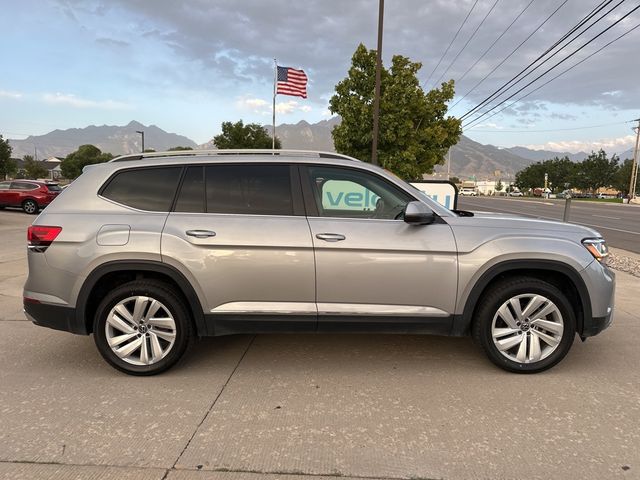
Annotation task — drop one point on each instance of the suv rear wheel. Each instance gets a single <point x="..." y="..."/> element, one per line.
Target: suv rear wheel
<point x="525" y="325"/>
<point x="30" y="207"/>
<point x="142" y="328"/>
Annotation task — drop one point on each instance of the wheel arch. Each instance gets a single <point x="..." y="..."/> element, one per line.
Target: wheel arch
<point x="559" y="274"/>
<point x="115" y="272"/>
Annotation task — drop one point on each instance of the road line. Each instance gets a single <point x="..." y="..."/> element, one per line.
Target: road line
<point x="605" y="216"/>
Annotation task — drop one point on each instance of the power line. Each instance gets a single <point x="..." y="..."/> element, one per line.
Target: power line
<point x="451" y="43"/>
<point x="512" y="52"/>
<point x="468" y="41"/>
<point x="495" y="41"/>
<point x="564" y="71"/>
<point x="520" y="77"/>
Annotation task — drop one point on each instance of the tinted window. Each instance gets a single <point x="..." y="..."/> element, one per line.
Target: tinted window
<point x="150" y="189"/>
<point x="341" y="192"/>
<point x="249" y="189"/>
<point x="5" y="185"/>
<point x="23" y="186"/>
<point x="54" y="188"/>
<point x="191" y="196"/>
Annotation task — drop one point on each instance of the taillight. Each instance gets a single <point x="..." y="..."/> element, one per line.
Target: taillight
<point x="39" y="237"/>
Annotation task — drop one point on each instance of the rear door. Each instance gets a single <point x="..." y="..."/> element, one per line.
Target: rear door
<point x="372" y="267"/>
<point x="5" y="193"/>
<point x="240" y="233"/>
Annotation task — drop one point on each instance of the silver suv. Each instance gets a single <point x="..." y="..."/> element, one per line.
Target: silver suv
<point x="149" y="251"/>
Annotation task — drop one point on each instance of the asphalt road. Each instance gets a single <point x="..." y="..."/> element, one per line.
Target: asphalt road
<point x="296" y="407"/>
<point x="618" y="223"/>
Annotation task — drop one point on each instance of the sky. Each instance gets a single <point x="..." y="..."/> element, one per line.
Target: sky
<point x="187" y="66"/>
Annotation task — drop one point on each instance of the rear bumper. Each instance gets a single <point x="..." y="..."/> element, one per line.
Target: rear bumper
<point x="57" y="317"/>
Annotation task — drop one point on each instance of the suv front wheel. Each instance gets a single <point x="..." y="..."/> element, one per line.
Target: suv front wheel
<point x="142" y="328"/>
<point x="525" y="325"/>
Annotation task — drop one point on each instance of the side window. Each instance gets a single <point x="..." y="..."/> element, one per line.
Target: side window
<point x="149" y="189"/>
<point x="249" y="189"/>
<point x="23" y="186"/>
<point x="5" y="185"/>
<point x="341" y="192"/>
<point x="191" y="196"/>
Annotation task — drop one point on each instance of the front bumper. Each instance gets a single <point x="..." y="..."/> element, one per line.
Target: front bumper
<point x="57" y="317"/>
<point x="601" y="282"/>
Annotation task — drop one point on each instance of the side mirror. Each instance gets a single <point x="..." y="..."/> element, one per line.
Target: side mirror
<point x="417" y="213"/>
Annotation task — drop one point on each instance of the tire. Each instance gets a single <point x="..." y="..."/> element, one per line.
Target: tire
<point x="524" y="341"/>
<point x="145" y="342"/>
<point x="30" y="207"/>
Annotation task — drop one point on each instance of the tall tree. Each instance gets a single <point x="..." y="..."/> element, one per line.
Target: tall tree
<point x="73" y="163"/>
<point x="622" y="178"/>
<point x="239" y="135"/>
<point x="179" y="149"/>
<point x="596" y="171"/>
<point x="7" y="166"/>
<point x="414" y="131"/>
<point x="34" y="169"/>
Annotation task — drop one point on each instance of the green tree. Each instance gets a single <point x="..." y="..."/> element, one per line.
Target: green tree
<point x="559" y="171"/>
<point x="596" y="171"/>
<point x="531" y="177"/>
<point x="239" y="135"/>
<point x="622" y="177"/>
<point x="179" y="149"/>
<point x="34" y="169"/>
<point x="73" y="163"/>
<point x="8" y="167"/>
<point x="455" y="180"/>
<point x="414" y="131"/>
<point x="499" y="186"/>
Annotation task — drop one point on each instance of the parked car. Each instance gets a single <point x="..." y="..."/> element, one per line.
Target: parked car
<point x="468" y="191"/>
<point x="605" y="195"/>
<point x="149" y="251"/>
<point x="515" y="193"/>
<point x="30" y="195"/>
<point x="565" y="194"/>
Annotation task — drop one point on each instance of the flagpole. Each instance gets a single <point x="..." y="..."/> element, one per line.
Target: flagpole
<point x="275" y="79"/>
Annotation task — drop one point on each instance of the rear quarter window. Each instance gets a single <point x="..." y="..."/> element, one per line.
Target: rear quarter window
<point x="54" y="188"/>
<point x="151" y="189"/>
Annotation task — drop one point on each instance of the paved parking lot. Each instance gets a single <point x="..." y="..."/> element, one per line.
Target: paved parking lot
<point x="293" y="406"/>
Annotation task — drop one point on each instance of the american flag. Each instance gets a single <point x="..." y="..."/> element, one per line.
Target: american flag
<point x="292" y="82"/>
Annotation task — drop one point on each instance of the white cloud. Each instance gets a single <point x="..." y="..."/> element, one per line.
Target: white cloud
<point x="255" y="105"/>
<point x="263" y="107"/>
<point x="487" y="125"/>
<point x="326" y="113"/>
<point x="77" y="102"/>
<point x="609" y="145"/>
<point x="13" y="95"/>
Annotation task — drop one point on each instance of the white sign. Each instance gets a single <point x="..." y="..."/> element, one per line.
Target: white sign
<point x="443" y="192"/>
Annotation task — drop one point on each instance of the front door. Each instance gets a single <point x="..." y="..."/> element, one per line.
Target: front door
<point x="241" y="233"/>
<point x="371" y="266"/>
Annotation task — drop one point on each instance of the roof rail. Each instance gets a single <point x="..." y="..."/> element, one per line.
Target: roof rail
<point x="200" y="153"/>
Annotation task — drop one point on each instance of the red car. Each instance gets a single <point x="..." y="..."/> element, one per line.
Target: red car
<point x="30" y="195"/>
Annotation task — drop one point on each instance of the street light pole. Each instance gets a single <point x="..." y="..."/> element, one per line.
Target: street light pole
<point x="376" y="96"/>
<point x="141" y="133"/>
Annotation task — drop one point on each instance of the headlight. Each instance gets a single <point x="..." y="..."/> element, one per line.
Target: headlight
<point x="597" y="247"/>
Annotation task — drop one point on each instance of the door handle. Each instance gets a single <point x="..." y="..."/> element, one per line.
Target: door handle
<point x="330" y="237"/>
<point x="200" y="233"/>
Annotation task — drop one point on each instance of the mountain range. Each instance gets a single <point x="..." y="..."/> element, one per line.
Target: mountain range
<point x="468" y="158"/>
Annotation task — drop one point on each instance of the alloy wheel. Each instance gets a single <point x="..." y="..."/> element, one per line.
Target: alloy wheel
<point x="527" y="328"/>
<point x="140" y="330"/>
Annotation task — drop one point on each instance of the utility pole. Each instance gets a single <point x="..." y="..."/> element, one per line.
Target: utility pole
<point x="634" y="165"/>
<point x="376" y="96"/>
